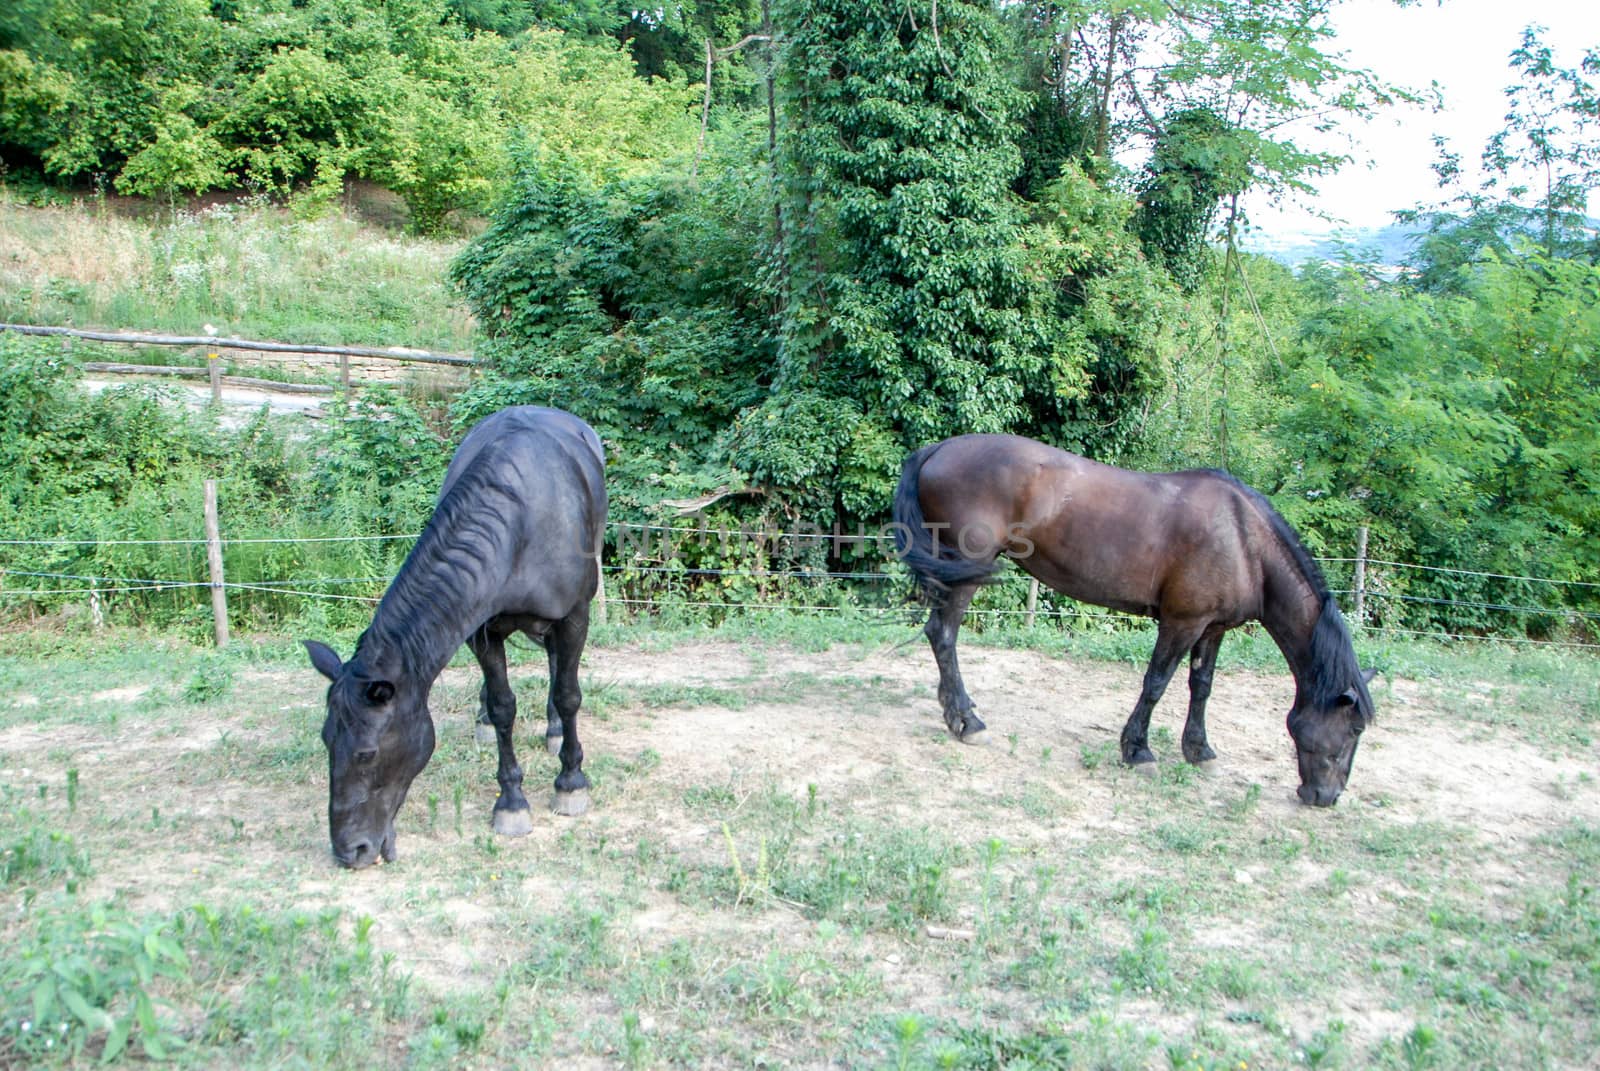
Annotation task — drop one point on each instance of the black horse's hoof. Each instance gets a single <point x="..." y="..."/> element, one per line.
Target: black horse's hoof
<point x="1199" y="755"/>
<point x="513" y="823"/>
<point x="966" y="727"/>
<point x="570" y="804"/>
<point x="1140" y="758"/>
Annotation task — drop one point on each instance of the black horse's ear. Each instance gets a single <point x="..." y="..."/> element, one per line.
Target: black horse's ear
<point x="1367" y="675"/>
<point x="379" y="693"/>
<point x="323" y="659"/>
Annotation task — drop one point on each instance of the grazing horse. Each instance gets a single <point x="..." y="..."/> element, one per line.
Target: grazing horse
<point x="513" y="545"/>
<point x="1197" y="551"/>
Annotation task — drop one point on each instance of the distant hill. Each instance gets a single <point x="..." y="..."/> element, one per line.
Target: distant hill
<point x="1389" y="245"/>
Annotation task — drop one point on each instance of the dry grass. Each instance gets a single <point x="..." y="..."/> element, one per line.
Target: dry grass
<point x="788" y="863"/>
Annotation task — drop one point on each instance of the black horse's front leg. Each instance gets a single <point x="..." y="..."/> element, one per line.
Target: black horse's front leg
<point x="943" y="625"/>
<point x="566" y="641"/>
<point x="511" y="815"/>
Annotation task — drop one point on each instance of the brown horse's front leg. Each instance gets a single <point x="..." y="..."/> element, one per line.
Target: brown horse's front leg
<point x="1202" y="667"/>
<point x="1171" y="643"/>
<point x="943" y="625"/>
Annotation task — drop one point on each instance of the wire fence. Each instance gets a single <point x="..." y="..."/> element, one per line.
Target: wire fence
<point x="651" y="569"/>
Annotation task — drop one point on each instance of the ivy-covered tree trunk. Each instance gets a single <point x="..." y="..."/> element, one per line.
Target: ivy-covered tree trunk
<point x="910" y="316"/>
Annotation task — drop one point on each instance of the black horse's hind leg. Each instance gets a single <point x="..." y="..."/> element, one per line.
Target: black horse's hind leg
<point x="566" y="640"/>
<point x="1171" y="643"/>
<point x="943" y="624"/>
<point x="511" y="816"/>
<point x="552" y="719"/>
<point x="1202" y="666"/>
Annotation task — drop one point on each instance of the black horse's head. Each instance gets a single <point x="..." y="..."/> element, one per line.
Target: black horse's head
<point x="1325" y="738"/>
<point x="379" y="737"/>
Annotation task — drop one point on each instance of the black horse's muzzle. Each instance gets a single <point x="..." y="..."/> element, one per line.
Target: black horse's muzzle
<point x="1319" y="795"/>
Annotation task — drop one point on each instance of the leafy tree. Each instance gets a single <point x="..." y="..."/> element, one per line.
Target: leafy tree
<point x="1538" y="172"/>
<point x="580" y="102"/>
<point x="910" y="312"/>
<point x="1199" y="161"/>
<point x="636" y="304"/>
<point x="1110" y="307"/>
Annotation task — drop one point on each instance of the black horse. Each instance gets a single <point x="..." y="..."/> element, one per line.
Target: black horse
<point x="1197" y="551"/>
<point x="513" y="545"/>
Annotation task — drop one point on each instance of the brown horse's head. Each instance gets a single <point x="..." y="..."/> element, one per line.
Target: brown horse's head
<point x="1325" y="738"/>
<point x="379" y="737"/>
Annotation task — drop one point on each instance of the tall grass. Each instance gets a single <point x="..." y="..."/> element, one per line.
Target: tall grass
<point x="248" y="269"/>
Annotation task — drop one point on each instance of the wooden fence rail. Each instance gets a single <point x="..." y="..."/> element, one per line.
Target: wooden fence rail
<point x="211" y="342"/>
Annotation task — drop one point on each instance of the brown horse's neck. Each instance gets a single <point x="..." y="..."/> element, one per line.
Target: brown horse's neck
<point x="1291" y="604"/>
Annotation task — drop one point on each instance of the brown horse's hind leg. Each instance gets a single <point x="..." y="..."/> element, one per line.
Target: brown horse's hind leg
<point x="1171" y="643"/>
<point x="1202" y="666"/>
<point x="943" y="624"/>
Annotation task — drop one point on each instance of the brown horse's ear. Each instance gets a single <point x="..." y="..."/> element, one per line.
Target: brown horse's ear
<point x="323" y="659"/>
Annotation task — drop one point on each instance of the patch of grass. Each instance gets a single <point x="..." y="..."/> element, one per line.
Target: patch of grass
<point x="31" y="853"/>
<point x="212" y="679"/>
<point x="676" y="694"/>
<point x="248" y="269"/>
<point x="872" y="875"/>
<point x="97" y="979"/>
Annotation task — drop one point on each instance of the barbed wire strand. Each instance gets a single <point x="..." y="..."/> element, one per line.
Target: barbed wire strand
<point x="729" y="533"/>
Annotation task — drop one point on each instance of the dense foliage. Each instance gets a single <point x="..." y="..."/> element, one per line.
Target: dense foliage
<point x="769" y="248"/>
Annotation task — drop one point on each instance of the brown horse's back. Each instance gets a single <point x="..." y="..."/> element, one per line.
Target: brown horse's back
<point x="1182" y="544"/>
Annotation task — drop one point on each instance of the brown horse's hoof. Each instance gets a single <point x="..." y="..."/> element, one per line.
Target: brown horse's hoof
<point x="570" y="804"/>
<point x="508" y="823"/>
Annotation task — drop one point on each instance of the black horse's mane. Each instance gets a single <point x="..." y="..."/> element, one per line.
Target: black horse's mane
<point x="1331" y="668"/>
<point x="465" y="533"/>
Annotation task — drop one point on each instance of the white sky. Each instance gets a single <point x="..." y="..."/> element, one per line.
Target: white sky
<point x="1465" y="46"/>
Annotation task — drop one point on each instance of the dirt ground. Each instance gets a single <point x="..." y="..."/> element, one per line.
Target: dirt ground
<point x="860" y="724"/>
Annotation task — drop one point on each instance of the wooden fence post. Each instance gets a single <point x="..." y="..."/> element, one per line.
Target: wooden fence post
<point x="344" y="372"/>
<point x="1033" y="599"/>
<point x="1361" y="576"/>
<point x="214" y="370"/>
<point x="219" y="594"/>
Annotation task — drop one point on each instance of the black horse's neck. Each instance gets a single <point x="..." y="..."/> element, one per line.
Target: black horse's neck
<point x="437" y="599"/>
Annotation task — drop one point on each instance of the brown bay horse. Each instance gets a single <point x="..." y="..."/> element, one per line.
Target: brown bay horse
<point x="1198" y="551"/>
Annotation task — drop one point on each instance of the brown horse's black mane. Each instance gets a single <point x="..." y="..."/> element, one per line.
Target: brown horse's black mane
<point x="1331" y="667"/>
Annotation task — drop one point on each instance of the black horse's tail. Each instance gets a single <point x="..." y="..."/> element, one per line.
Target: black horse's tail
<point x="932" y="557"/>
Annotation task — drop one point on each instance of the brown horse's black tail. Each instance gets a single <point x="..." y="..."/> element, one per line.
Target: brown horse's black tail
<point x="931" y="554"/>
